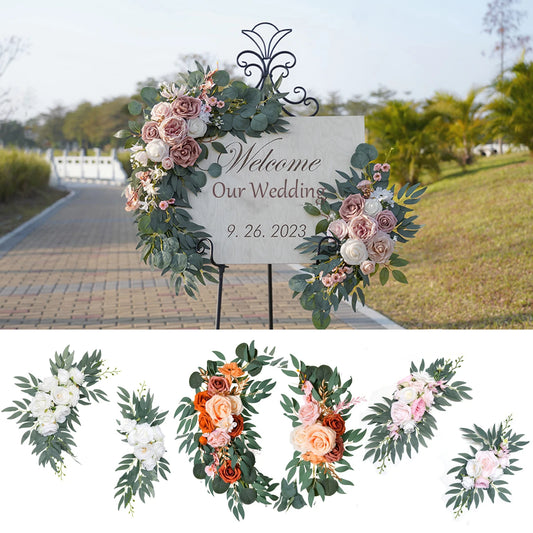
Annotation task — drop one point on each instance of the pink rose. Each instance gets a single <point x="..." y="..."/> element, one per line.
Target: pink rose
<point x="338" y="228"/>
<point x="418" y="408"/>
<point x="186" y="153"/>
<point x="482" y="483"/>
<point x="367" y="267"/>
<point x="161" y="111"/>
<point x="352" y="207"/>
<point x="218" y="438"/>
<point x="386" y="221"/>
<point x="428" y="398"/>
<point x="167" y="163"/>
<point x="149" y="131"/>
<point x="309" y="412"/>
<point x="187" y="106"/>
<point x="400" y="412"/>
<point x="362" y="227"/>
<point x="380" y="247"/>
<point x="488" y="461"/>
<point x="173" y="130"/>
<point x="307" y="387"/>
<point x="405" y="382"/>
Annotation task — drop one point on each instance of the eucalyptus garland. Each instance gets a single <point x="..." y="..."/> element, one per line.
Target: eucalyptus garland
<point x="320" y="437"/>
<point x="217" y="429"/>
<point x="179" y="124"/>
<point x="405" y="421"/>
<point x="479" y="472"/>
<point x="50" y="415"/>
<point x="362" y="221"/>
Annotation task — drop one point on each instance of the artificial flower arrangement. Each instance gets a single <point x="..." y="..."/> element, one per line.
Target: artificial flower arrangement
<point x="320" y="438"/>
<point x="217" y="427"/>
<point x="180" y="123"/>
<point x="363" y="219"/>
<point x="405" y="421"/>
<point x="50" y="413"/>
<point x="140" y="425"/>
<point x="480" y="470"/>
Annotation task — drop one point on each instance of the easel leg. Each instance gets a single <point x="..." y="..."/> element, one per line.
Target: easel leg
<point x="270" y="300"/>
<point x="221" y="269"/>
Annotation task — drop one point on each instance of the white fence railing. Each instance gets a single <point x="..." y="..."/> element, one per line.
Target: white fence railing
<point x="82" y="168"/>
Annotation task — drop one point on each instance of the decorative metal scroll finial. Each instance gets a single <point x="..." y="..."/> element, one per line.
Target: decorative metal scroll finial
<point x="272" y="65"/>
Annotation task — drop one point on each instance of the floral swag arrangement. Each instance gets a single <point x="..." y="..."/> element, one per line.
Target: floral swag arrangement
<point x="405" y="421"/>
<point x="479" y="471"/>
<point x="216" y="426"/>
<point x="362" y="221"/>
<point x="140" y="425"/>
<point x="50" y="413"/>
<point x="320" y="437"/>
<point x="180" y="124"/>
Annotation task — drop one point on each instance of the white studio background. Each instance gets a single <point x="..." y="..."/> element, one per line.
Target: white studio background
<point x="410" y="494"/>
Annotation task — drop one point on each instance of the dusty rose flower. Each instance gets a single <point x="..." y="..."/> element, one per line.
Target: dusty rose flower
<point x="320" y="439"/>
<point x="167" y="163"/>
<point x="400" y="412"/>
<point x="173" y="130"/>
<point x="217" y="385"/>
<point x="309" y="412"/>
<point x="362" y="227"/>
<point x="386" y="221"/>
<point x="351" y="207"/>
<point x="338" y="228"/>
<point x="149" y="131"/>
<point x="336" y="453"/>
<point x="187" y="106"/>
<point x="218" y="438"/>
<point x="161" y="111"/>
<point x="380" y="247"/>
<point x="418" y="408"/>
<point x="132" y="199"/>
<point x="186" y="153"/>
<point x="367" y="267"/>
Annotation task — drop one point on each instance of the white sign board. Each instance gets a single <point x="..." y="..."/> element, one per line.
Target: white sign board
<point x="254" y="209"/>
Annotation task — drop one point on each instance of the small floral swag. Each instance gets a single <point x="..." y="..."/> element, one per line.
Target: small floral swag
<point x="405" y="421"/>
<point x="180" y="125"/>
<point x="216" y="426"/>
<point x="363" y="219"/>
<point x="140" y="425"/>
<point x="50" y="414"/>
<point x="320" y="437"/>
<point x="480" y="470"/>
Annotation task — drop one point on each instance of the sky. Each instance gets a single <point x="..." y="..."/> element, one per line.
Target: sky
<point x="100" y="49"/>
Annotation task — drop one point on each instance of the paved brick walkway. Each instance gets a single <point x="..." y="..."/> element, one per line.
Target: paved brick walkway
<point x="77" y="267"/>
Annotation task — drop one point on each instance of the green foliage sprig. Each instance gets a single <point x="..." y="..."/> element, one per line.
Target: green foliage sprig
<point x="331" y="395"/>
<point x="388" y="441"/>
<point x="51" y="434"/>
<point x="249" y="485"/>
<point x="313" y="294"/>
<point x="140" y="425"/>
<point x="468" y="490"/>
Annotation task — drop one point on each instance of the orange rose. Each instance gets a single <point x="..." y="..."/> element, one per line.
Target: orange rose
<point x="320" y="439"/>
<point x="237" y="430"/>
<point x="200" y="399"/>
<point x="231" y="369"/>
<point x="312" y="458"/>
<point x="218" y="407"/>
<point x="335" y="422"/>
<point x="205" y="422"/>
<point x="229" y="474"/>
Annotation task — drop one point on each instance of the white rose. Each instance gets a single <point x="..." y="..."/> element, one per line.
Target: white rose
<point x="47" y="425"/>
<point x="61" y="413"/>
<point x="141" y="158"/>
<point x="62" y="376"/>
<point x="48" y="384"/>
<point x="149" y="464"/>
<point x="40" y="403"/>
<point x="157" y="433"/>
<point x="197" y="127"/>
<point x="407" y="395"/>
<point x="74" y="394"/>
<point x="372" y="207"/>
<point x="77" y="375"/>
<point x="468" y="482"/>
<point x="143" y="452"/>
<point x="473" y="468"/>
<point x="144" y="433"/>
<point x="126" y="425"/>
<point x="157" y="150"/>
<point x="236" y="404"/>
<point x="354" y="252"/>
<point x="61" y="395"/>
<point x="158" y="449"/>
<point x="498" y="472"/>
<point x="408" y="426"/>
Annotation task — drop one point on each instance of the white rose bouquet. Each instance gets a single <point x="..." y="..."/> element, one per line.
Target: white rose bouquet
<point x="50" y="414"/>
<point x="479" y="472"/>
<point x="405" y="421"/>
<point x="140" y="427"/>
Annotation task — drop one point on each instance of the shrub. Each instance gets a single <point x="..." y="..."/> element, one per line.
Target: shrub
<point x="124" y="158"/>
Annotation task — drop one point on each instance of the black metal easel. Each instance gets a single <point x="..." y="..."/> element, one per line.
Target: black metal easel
<point x="270" y="65"/>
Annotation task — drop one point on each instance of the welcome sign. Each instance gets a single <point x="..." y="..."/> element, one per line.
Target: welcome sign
<point x="254" y="209"/>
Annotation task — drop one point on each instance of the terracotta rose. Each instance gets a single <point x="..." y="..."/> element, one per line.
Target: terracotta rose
<point x="335" y="422"/>
<point x="228" y="473"/>
<point x="237" y="430"/>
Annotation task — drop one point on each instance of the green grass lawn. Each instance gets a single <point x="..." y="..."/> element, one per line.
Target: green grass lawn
<point x="20" y="208"/>
<point x="471" y="264"/>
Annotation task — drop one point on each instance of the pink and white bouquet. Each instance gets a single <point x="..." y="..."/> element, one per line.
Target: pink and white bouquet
<point x="405" y="421"/>
<point x="479" y="472"/>
<point x="50" y="413"/>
